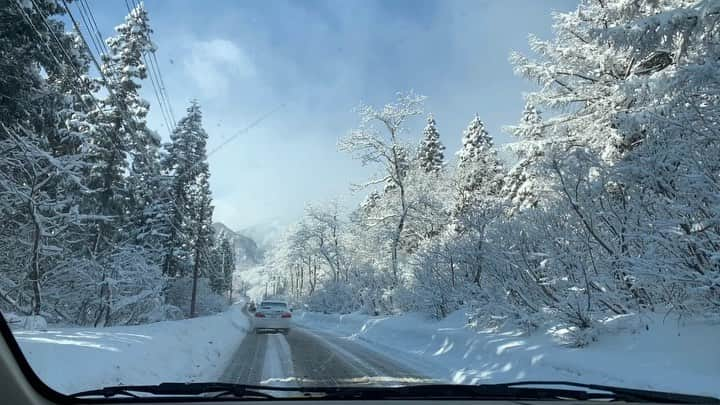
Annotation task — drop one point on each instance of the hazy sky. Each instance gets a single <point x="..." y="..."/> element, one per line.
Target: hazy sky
<point x="312" y="62"/>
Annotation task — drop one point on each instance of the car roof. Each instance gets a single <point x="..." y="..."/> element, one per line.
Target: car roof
<point x="273" y="302"/>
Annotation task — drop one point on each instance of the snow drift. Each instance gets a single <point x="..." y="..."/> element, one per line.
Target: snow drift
<point x="649" y="353"/>
<point x="188" y="350"/>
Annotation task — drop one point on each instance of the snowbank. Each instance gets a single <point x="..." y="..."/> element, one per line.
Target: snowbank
<point x="76" y="359"/>
<point x="667" y="355"/>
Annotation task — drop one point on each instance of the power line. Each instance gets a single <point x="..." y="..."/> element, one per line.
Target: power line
<point x="109" y="89"/>
<point x="247" y="128"/>
<point x="94" y="26"/>
<point x="164" y="88"/>
<point x="159" y="77"/>
<point x="52" y="53"/>
<point x="159" y="94"/>
<point x="155" y="73"/>
<point x="113" y="96"/>
<point x="204" y="249"/>
<point x="152" y="80"/>
<point x="86" y="20"/>
<point x="94" y="31"/>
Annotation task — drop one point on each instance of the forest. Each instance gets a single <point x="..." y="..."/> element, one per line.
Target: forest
<point x="103" y="223"/>
<point x="610" y="208"/>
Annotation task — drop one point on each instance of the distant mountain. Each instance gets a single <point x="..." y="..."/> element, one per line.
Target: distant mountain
<point x="265" y="234"/>
<point x="247" y="251"/>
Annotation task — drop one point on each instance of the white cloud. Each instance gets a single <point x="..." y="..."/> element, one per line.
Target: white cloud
<point x="215" y="64"/>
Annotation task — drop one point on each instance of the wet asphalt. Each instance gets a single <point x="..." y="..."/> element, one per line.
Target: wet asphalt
<point x="307" y="357"/>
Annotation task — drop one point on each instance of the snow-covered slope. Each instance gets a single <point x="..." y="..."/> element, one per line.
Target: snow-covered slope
<point x="257" y="281"/>
<point x="265" y="234"/>
<point x="188" y="350"/>
<point x="643" y="353"/>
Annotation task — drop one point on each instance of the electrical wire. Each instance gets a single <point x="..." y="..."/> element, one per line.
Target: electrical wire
<point x="27" y="18"/>
<point x="155" y="86"/>
<point x="159" y="76"/>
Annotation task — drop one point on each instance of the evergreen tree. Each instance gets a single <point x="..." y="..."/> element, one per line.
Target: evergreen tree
<point x="228" y="264"/>
<point x="181" y="167"/>
<point x="26" y="46"/>
<point x="203" y="235"/>
<point x="478" y="165"/>
<point x="479" y="173"/>
<point x="42" y="142"/>
<point x="128" y="198"/>
<point x="190" y="216"/>
<point x="126" y="66"/>
<point x="222" y="268"/>
<point x="530" y="127"/>
<point x="522" y="183"/>
<point x="125" y="144"/>
<point x="430" y="154"/>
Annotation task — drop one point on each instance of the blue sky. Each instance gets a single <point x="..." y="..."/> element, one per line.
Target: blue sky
<point x="312" y="62"/>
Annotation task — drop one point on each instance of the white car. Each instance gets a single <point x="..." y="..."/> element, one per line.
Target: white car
<point x="272" y="315"/>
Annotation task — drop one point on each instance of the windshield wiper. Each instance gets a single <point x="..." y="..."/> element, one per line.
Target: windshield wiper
<point x="625" y="394"/>
<point x="236" y="391"/>
<point x="524" y="390"/>
<point x="513" y="391"/>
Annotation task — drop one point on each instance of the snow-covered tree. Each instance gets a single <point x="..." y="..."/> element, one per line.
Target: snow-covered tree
<point x="430" y="153"/>
<point x="87" y="209"/>
<point x="221" y="266"/>
<point x="43" y="137"/>
<point x="227" y="260"/>
<point x="479" y="172"/>
<point x="183" y="164"/>
<point x="523" y="183"/>
<point x="378" y="140"/>
<point x="199" y="203"/>
<point x="125" y="69"/>
<point x="629" y="84"/>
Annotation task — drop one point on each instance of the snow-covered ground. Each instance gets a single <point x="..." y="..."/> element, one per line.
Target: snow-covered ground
<point x="652" y="352"/>
<point x="667" y="355"/>
<point x="76" y="359"/>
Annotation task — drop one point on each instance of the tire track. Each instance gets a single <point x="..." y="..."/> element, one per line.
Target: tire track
<point x="310" y="358"/>
<point x="246" y="366"/>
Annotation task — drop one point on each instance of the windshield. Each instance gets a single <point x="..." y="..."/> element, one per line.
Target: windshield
<point x="362" y="193"/>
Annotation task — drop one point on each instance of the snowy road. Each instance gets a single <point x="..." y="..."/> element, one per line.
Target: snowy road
<point x="311" y="358"/>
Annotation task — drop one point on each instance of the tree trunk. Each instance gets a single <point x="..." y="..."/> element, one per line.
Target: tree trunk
<point x="168" y="261"/>
<point x="104" y="314"/>
<point x="302" y="280"/>
<point x="452" y="271"/>
<point x="196" y="272"/>
<point x="396" y="241"/>
<point x="35" y="262"/>
<point x="230" y="280"/>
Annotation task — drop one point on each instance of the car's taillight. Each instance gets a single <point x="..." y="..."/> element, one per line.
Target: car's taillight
<point x="259" y="315"/>
<point x="287" y="315"/>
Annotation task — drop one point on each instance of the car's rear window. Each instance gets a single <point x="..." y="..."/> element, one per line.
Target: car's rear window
<point x="273" y="305"/>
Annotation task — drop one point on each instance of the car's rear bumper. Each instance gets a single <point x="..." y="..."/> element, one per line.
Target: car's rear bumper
<point x="271" y="323"/>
